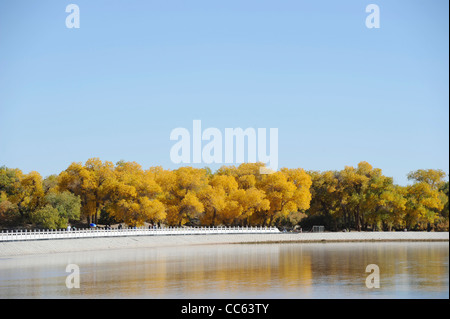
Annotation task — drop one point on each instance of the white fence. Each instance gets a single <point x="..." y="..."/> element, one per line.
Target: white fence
<point x="95" y="232"/>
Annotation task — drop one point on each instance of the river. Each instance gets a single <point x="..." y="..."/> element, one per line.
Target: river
<point x="300" y="271"/>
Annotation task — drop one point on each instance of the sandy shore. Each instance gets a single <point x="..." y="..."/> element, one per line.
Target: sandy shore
<point x="91" y="244"/>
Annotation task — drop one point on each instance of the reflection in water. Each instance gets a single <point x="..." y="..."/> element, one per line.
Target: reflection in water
<point x="407" y="270"/>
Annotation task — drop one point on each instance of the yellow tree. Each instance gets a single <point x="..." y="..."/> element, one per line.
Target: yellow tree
<point x="138" y="211"/>
<point x="189" y="208"/>
<point x="213" y="201"/>
<point x="360" y="196"/>
<point x="391" y="209"/>
<point x="92" y="182"/>
<point x="425" y="199"/>
<point x="247" y="202"/>
<point x="8" y="211"/>
<point x="29" y="195"/>
<point x="302" y="182"/>
<point x="20" y="194"/>
<point x="181" y="188"/>
<point x="287" y="192"/>
<point x="133" y="195"/>
<point x="247" y="175"/>
<point x="432" y="177"/>
<point x="246" y="206"/>
<point x="226" y="203"/>
<point x="9" y="192"/>
<point x="383" y="204"/>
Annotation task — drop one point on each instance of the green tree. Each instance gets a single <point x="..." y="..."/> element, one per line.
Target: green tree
<point x="10" y="180"/>
<point x="67" y="204"/>
<point x="443" y="220"/>
<point x="326" y="199"/>
<point x="58" y="210"/>
<point x="48" y="217"/>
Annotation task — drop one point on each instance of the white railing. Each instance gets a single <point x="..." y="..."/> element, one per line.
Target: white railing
<point x="96" y="232"/>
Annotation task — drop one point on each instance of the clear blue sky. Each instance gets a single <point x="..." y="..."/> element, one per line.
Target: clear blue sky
<point x="338" y="92"/>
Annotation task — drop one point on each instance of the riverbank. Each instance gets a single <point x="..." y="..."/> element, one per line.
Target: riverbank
<point x="30" y="247"/>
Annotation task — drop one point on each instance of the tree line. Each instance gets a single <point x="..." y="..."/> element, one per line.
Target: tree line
<point x="359" y="198"/>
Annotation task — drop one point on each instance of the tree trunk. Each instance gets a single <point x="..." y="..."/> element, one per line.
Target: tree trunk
<point x="357" y="221"/>
<point x="270" y="220"/>
<point x="264" y="222"/>
<point x="214" y="217"/>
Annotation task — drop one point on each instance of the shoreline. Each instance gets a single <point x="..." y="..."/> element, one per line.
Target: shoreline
<point x="50" y="246"/>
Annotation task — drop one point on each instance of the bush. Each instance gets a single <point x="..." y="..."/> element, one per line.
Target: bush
<point x="59" y="209"/>
<point x="48" y="217"/>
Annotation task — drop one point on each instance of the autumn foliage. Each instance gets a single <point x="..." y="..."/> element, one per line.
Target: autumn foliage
<point x="359" y="198"/>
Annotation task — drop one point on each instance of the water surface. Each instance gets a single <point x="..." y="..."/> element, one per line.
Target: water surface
<point x="312" y="270"/>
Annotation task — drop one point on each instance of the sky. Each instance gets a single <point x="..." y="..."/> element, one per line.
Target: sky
<point x="114" y="88"/>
